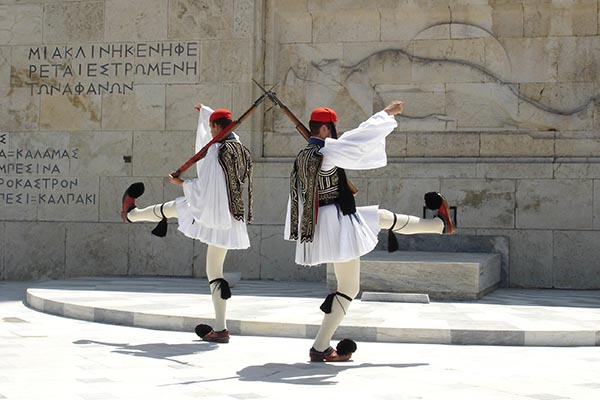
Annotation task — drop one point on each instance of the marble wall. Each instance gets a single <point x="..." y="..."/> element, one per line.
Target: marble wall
<point x="501" y="115"/>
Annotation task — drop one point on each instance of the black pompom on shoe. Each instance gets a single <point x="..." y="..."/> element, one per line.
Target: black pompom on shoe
<point x="346" y="346"/>
<point x="128" y="201"/>
<point x="433" y="200"/>
<point x="203" y="330"/>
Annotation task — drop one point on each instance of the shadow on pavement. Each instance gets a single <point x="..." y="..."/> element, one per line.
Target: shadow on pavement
<point x="307" y="373"/>
<point x="163" y="351"/>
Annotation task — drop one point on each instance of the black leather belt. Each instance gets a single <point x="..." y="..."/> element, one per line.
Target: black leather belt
<point x="327" y="202"/>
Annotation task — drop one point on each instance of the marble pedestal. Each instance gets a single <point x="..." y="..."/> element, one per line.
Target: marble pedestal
<point x="442" y="276"/>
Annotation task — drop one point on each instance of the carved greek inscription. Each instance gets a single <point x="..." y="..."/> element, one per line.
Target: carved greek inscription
<point x="112" y="67"/>
<point x="31" y="176"/>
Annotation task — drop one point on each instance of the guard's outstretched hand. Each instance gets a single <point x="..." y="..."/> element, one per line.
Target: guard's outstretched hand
<point x="395" y="107"/>
<point x="175" y="181"/>
<point x="197" y="106"/>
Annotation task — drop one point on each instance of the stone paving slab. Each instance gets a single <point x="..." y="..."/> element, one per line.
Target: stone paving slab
<point x="512" y="317"/>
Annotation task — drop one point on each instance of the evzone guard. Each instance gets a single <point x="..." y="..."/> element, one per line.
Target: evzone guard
<point x="323" y="219"/>
<point x="212" y="208"/>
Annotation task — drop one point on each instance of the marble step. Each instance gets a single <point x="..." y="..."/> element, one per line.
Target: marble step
<point x="440" y="275"/>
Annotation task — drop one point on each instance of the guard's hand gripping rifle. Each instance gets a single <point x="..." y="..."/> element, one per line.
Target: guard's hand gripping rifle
<point x="220" y="136"/>
<point x="300" y="127"/>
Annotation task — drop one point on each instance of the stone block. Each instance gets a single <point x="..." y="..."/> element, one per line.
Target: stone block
<point x="532" y="59"/>
<point x="135" y="20"/>
<point x="18" y="110"/>
<point x="554" y="204"/>
<point x="248" y="262"/>
<point x="507" y="19"/>
<point x="497" y="64"/>
<point x="299" y="64"/>
<point x="447" y="144"/>
<point x="49" y="148"/>
<point x="21" y="24"/>
<point x="151" y="255"/>
<point x="160" y="153"/>
<point x="442" y="61"/>
<point x="482" y="106"/>
<point x="279" y="144"/>
<point x="271" y="199"/>
<point x="199" y="259"/>
<point x="205" y="19"/>
<point x="575" y="260"/>
<point x="395" y="297"/>
<point x="24" y="256"/>
<point x="84" y="112"/>
<point x="101" y="155"/>
<point x="477" y="241"/>
<point x="239" y="53"/>
<point x="459" y="276"/>
<point x="409" y="19"/>
<point x="481" y="203"/>
<point x="243" y="18"/>
<point x="586" y="50"/>
<point x="74" y="22"/>
<point x="94" y="249"/>
<point x="596" y="202"/>
<point x="517" y="144"/>
<point x="178" y="62"/>
<point x="574" y="146"/>
<point x="5" y="66"/>
<point x="111" y="193"/>
<point x="424" y="106"/>
<point x="2" y="251"/>
<point x="470" y="13"/>
<point x="378" y="63"/>
<point x="402" y="196"/>
<point x="143" y="109"/>
<point x="342" y="25"/>
<point x="515" y="170"/>
<point x="291" y="27"/>
<point x="181" y="99"/>
<point x="551" y="18"/>
<point x="556" y="106"/>
<point x="71" y="199"/>
<point x="278" y="259"/>
<point x="530" y="257"/>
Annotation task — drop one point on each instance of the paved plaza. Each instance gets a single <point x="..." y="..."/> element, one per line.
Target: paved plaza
<point x="45" y="356"/>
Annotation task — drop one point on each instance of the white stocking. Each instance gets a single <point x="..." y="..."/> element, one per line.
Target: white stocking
<point x="348" y="283"/>
<point x="215" y="257"/>
<point x="152" y="213"/>
<point x="408" y="224"/>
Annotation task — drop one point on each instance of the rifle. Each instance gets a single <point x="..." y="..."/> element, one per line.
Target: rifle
<point x="300" y="127"/>
<point x="220" y="136"/>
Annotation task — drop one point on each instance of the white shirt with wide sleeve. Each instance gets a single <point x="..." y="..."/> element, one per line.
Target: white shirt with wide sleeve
<point x="340" y="238"/>
<point x="203" y="211"/>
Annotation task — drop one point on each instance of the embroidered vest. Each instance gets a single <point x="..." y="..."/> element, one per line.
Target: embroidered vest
<point x="317" y="188"/>
<point x="236" y="162"/>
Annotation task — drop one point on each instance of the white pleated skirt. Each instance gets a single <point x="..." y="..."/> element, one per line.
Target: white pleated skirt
<point x="338" y="237"/>
<point x="234" y="237"/>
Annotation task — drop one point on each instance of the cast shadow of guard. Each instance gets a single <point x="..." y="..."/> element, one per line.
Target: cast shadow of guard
<point x="306" y="373"/>
<point x="161" y="351"/>
<point x="299" y="373"/>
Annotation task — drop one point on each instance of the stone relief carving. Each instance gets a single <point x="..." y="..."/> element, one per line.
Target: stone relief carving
<point x="448" y="60"/>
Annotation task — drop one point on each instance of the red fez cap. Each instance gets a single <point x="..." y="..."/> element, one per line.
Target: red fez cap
<point x="323" y="114"/>
<point x="220" y="113"/>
